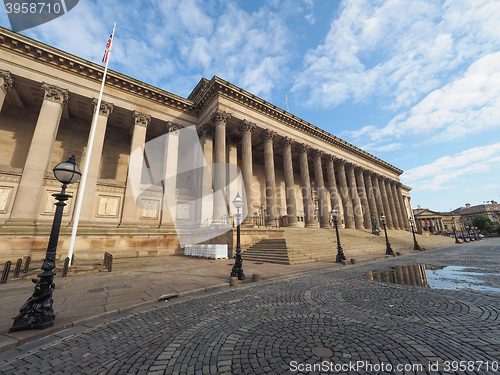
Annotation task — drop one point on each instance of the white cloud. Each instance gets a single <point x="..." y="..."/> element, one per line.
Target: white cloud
<point x="443" y="172"/>
<point x="469" y="104"/>
<point x="396" y="49"/>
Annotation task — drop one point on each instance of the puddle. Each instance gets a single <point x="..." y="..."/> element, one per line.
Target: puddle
<point x="449" y="277"/>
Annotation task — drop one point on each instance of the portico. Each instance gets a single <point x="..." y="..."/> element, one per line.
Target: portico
<point x="293" y="172"/>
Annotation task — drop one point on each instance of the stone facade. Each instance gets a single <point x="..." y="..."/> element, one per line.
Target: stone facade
<point x="293" y="171"/>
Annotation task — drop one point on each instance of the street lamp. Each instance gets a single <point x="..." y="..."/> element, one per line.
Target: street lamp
<point x="415" y="243"/>
<point x="37" y="311"/>
<point x="454" y="231"/>
<point x="237" y="270"/>
<point x="388" y="250"/>
<point x="340" y="252"/>
<point x="462" y="230"/>
<point x="468" y="232"/>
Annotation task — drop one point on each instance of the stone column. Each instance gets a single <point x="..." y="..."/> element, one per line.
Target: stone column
<point x="404" y="213"/>
<point x="306" y="187"/>
<point x="291" y="199"/>
<point x="346" y="195"/>
<point x="246" y="129"/>
<point x="392" y="205"/>
<point x="220" y="119"/>
<point x="385" y="203"/>
<point x="324" y="212"/>
<point x="39" y="154"/>
<point x="272" y="207"/>
<point x="363" y="197"/>
<point x="231" y="175"/>
<point x="205" y="202"/>
<point x="140" y="123"/>
<point x="397" y="205"/>
<point x="5" y="85"/>
<point x="171" y="161"/>
<point x="371" y="194"/>
<point x="86" y="213"/>
<point x="377" y="195"/>
<point x="356" y="202"/>
<point x="335" y="198"/>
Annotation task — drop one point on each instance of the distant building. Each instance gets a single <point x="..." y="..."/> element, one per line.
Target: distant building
<point x="468" y="213"/>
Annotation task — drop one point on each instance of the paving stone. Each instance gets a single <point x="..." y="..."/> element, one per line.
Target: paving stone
<point x="262" y="328"/>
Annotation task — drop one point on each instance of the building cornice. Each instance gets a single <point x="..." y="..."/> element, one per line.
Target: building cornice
<point x="40" y="52"/>
<point x="206" y="91"/>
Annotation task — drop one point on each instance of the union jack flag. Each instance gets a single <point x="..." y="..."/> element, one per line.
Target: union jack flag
<point x="108" y="48"/>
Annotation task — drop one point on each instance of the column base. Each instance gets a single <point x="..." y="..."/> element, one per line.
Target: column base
<point x="293" y="225"/>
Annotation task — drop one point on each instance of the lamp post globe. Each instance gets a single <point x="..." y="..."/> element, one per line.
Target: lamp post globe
<point x="37" y="311"/>
<point x="388" y="249"/>
<point x="340" y="252"/>
<point x="237" y="270"/>
<point x="415" y="243"/>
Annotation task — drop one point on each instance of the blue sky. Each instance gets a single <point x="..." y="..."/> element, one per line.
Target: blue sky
<point x="414" y="82"/>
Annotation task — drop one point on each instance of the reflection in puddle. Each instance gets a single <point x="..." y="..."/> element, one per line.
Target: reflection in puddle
<point x="450" y="277"/>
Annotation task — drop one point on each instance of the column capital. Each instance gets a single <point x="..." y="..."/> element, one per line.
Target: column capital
<point x="55" y="94"/>
<point x="349" y="166"/>
<point x="246" y="126"/>
<point x="171" y="127"/>
<point x="232" y="139"/>
<point x="7" y="80"/>
<point x="206" y="131"/>
<point x="140" y="119"/>
<point x="329" y="158"/>
<point x="317" y="154"/>
<point x="105" y="108"/>
<point x="398" y="184"/>
<point x="358" y="169"/>
<point x="340" y="162"/>
<point x="303" y="148"/>
<point x="220" y="116"/>
<point x="367" y="172"/>
<point x="267" y="135"/>
<point x="286" y="142"/>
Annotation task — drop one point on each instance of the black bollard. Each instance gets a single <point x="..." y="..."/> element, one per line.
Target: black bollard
<point x="17" y="270"/>
<point x="27" y="264"/>
<point x="5" y="273"/>
<point x="65" y="267"/>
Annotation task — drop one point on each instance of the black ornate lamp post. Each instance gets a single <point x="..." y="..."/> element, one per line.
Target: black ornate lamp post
<point x="471" y="238"/>
<point x="388" y="250"/>
<point x="454" y="232"/>
<point x="37" y="311"/>
<point x="340" y="252"/>
<point x="415" y="243"/>
<point x="237" y="270"/>
<point x="462" y="230"/>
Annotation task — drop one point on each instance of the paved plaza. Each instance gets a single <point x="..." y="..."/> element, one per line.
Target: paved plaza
<point x="323" y="321"/>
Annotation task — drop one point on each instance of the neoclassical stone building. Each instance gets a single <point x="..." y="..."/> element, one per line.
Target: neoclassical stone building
<point x="47" y="101"/>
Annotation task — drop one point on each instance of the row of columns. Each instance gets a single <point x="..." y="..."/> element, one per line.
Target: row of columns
<point x="359" y="195"/>
<point x="40" y="152"/>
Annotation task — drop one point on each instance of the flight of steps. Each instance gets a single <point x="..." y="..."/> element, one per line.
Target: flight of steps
<point x="301" y="245"/>
<point x="268" y="250"/>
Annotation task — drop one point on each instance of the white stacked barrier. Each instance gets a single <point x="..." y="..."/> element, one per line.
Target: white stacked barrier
<point x="209" y="251"/>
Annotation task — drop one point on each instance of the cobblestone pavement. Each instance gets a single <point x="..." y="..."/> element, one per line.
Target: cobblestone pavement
<point x="328" y="321"/>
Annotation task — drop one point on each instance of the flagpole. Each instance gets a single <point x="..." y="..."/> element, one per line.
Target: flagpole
<point x="90" y="143"/>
